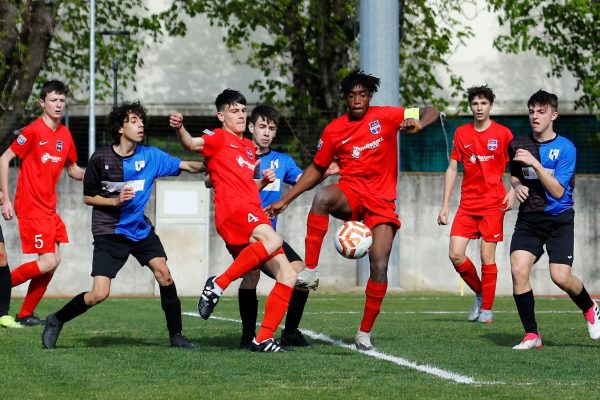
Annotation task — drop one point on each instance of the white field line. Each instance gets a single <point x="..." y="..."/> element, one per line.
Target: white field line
<point x="428" y="369"/>
<point x="436" y="312"/>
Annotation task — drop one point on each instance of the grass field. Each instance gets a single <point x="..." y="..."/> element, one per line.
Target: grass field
<point x="425" y="350"/>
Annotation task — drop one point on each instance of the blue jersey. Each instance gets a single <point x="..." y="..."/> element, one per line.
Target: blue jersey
<point x="108" y="173"/>
<point x="558" y="157"/>
<point x="286" y="171"/>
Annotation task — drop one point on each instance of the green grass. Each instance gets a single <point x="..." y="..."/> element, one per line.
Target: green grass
<point x="119" y="350"/>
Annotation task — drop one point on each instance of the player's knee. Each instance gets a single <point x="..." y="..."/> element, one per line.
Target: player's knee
<point x="3" y="259"/>
<point x="323" y="201"/>
<point x="519" y="274"/>
<point x="163" y="276"/>
<point x="379" y="271"/>
<point x="97" y="297"/>
<point x="560" y="279"/>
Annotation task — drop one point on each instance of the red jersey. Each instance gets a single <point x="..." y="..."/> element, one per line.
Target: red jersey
<point x="484" y="156"/>
<point x="230" y="163"/>
<point x="44" y="153"/>
<point x="366" y="150"/>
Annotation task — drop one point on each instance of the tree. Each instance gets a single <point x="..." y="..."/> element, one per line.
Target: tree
<point x="311" y="44"/>
<point x="41" y="39"/>
<point x="566" y="32"/>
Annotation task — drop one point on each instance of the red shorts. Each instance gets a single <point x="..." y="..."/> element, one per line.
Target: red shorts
<point x="40" y="235"/>
<point x="489" y="227"/>
<point x="369" y="209"/>
<point x="237" y="229"/>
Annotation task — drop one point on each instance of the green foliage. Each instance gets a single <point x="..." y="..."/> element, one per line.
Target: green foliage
<point x="566" y="32"/>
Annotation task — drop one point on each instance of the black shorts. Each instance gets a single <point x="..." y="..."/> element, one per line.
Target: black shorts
<point x="1" y="236"/>
<point x="533" y="230"/>
<point x="112" y="251"/>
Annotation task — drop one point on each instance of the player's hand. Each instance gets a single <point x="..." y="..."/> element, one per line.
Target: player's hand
<point x="522" y="192"/>
<point x="275" y="208"/>
<point x="308" y="279"/>
<point x="443" y="216"/>
<point x="268" y="176"/>
<point x="525" y="157"/>
<point x="176" y="120"/>
<point x="125" y="195"/>
<point x="509" y="200"/>
<point x="7" y="208"/>
<point x="411" y="125"/>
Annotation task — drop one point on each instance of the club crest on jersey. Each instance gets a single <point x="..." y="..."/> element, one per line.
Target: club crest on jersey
<point x="492" y="144"/>
<point x="320" y="144"/>
<point x="208" y="132"/>
<point x="139" y="165"/>
<point x="21" y="140"/>
<point x="375" y="127"/>
<point x="59" y="145"/>
<point x="274" y="164"/>
<point x="553" y="155"/>
<point x="249" y="151"/>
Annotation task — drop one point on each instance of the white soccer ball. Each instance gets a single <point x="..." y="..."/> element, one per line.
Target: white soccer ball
<point x="353" y="239"/>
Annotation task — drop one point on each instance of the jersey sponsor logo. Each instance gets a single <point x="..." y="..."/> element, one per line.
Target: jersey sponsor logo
<point x="346" y="140"/>
<point x="243" y="163"/>
<point x="42" y="143"/>
<point x="48" y="157"/>
<point x="356" y="151"/>
<point x="139" y="165"/>
<point x="529" y="172"/>
<point x="320" y="144"/>
<point x="59" y="145"/>
<point x="208" y="132"/>
<point x="137" y="185"/>
<point x="21" y="140"/>
<point x="474" y="158"/>
<point x="252" y="218"/>
<point x="375" y="127"/>
<point x="553" y="154"/>
<point x="492" y="144"/>
<point x="274" y="164"/>
<point x="249" y="151"/>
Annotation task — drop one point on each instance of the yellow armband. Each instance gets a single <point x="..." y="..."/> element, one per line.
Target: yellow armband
<point x="411" y="113"/>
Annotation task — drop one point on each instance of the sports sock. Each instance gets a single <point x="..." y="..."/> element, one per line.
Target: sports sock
<point x="275" y="307"/>
<point x="526" y="308"/>
<point x="375" y="293"/>
<point x="468" y="273"/>
<point x="24" y="273"/>
<point x="35" y="292"/>
<point x="74" y="308"/>
<point x="248" y="259"/>
<point x="295" y="310"/>
<point x="489" y="275"/>
<point x="248" y="304"/>
<point x="5" y="289"/>
<point x="316" y="228"/>
<point x="582" y="300"/>
<point x="171" y="306"/>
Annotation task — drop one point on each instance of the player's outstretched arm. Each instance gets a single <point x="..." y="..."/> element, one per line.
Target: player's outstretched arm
<point x="75" y="171"/>
<point x="414" y="123"/>
<point x="449" y="181"/>
<point x="193" y="167"/>
<point x="187" y="141"/>
<point x="310" y="177"/>
<point x="7" y="207"/>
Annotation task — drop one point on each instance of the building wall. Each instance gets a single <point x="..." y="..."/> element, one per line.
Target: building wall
<point x="424" y="264"/>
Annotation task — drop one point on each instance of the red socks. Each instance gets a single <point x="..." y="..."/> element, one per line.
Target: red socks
<point x="489" y="274"/>
<point x="275" y="308"/>
<point x="468" y="273"/>
<point x="375" y="293"/>
<point x="316" y="228"/>
<point x="251" y="257"/>
<point x="24" y="272"/>
<point x="35" y="292"/>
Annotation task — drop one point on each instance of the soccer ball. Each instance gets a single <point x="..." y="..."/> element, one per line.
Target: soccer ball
<point x="353" y="239"/>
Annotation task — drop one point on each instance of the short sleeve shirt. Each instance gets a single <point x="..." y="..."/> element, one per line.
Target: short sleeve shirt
<point x="484" y="156"/>
<point x="230" y="161"/>
<point x="44" y="153"/>
<point x="108" y="174"/>
<point x="366" y="150"/>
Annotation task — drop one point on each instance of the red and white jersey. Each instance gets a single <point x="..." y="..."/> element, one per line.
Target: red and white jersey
<point x="44" y="153"/>
<point x="230" y="163"/>
<point x="484" y="156"/>
<point x="366" y="150"/>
